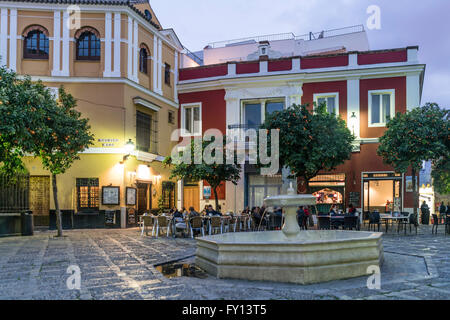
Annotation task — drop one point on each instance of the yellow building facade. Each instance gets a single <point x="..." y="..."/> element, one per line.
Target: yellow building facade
<point x="122" y="67"/>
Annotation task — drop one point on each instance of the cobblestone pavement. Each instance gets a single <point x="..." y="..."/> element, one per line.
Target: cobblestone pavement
<point x="119" y="264"/>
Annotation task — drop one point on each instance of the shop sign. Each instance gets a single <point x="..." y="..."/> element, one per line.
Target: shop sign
<point x="207" y="192"/>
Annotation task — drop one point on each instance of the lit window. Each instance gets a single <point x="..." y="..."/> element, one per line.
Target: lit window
<point x="331" y="101"/>
<point x="381" y="107"/>
<point x="191" y="119"/>
<point x="88" y="194"/>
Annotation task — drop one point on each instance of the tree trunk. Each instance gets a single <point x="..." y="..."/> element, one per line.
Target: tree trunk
<point x="216" y="198"/>
<point x="308" y="188"/>
<point x="57" y="210"/>
<point x="415" y="193"/>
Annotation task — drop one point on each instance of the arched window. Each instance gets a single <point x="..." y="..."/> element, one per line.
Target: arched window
<point x="88" y="44"/>
<point x="148" y="15"/>
<point x="36" y="43"/>
<point x="143" y="58"/>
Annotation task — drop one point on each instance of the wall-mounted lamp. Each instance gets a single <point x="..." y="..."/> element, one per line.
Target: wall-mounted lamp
<point x="128" y="150"/>
<point x="353" y="122"/>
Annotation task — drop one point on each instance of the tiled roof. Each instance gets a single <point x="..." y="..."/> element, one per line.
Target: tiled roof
<point x="129" y="3"/>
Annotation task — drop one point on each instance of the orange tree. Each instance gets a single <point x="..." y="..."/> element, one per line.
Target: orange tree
<point x="185" y="166"/>
<point x="60" y="141"/>
<point x="413" y="137"/>
<point x="33" y="122"/>
<point x="310" y="142"/>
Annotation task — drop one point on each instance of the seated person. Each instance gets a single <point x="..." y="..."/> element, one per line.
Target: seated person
<point x="333" y="211"/>
<point x="351" y="210"/>
<point x="256" y="216"/>
<point x="193" y="213"/>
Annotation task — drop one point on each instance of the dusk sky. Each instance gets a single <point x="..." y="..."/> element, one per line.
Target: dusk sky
<point x="403" y="23"/>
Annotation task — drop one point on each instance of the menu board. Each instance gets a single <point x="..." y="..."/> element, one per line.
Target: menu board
<point x="111" y="196"/>
<point x="131" y="217"/>
<point x="355" y="198"/>
<point x="110" y="217"/>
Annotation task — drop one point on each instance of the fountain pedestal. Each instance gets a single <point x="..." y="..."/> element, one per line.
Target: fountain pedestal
<point x="290" y="255"/>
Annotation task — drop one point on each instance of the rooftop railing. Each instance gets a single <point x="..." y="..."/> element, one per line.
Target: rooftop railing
<point x="288" y="36"/>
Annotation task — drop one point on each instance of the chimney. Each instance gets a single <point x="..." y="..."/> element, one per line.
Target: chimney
<point x="263" y="50"/>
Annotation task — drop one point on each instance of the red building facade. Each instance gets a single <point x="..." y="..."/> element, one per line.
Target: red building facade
<point x="363" y="88"/>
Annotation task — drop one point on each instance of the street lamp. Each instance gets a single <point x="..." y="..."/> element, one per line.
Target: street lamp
<point x="128" y="148"/>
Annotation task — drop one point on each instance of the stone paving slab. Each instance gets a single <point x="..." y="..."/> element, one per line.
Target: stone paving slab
<point x="120" y="265"/>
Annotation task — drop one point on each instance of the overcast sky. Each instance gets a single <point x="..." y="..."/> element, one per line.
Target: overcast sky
<point x="403" y="23"/>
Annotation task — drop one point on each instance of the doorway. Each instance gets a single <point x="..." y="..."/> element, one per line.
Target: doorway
<point x="382" y="192"/>
<point x="192" y="197"/>
<point x="40" y="199"/>
<point x="143" y="198"/>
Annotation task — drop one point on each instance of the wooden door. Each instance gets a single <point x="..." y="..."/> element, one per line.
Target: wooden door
<point x="191" y="198"/>
<point x="142" y="198"/>
<point x="40" y="195"/>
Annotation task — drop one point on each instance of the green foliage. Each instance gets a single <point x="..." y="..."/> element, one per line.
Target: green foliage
<point x="65" y="136"/>
<point x="415" y="136"/>
<point x="310" y="141"/>
<point x="161" y="204"/>
<point x="441" y="176"/>
<point x="214" y="174"/>
<point x="33" y="122"/>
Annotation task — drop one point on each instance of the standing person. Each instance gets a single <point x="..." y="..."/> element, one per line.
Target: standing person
<point x="425" y="213"/>
<point x="306" y="217"/>
<point x="300" y="217"/>
<point x="442" y="212"/>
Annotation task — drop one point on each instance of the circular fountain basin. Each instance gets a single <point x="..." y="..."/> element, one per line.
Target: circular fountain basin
<point x="306" y="258"/>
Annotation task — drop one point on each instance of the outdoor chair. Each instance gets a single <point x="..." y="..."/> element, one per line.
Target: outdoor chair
<point x="350" y="222"/>
<point x="226" y="223"/>
<point x="196" y="224"/>
<point x="242" y="223"/>
<point x="413" y="221"/>
<point x="447" y="225"/>
<point x="232" y="223"/>
<point x="215" y="224"/>
<point x="366" y="217"/>
<point x="180" y="224"/>
<point x="435" y="224"/>
<point x="147" y="222"/>
<point x="402" y="223"/>
<point x="162" y="222"/>
<point x="374" y="220"/>
<point x="324" y="223"/>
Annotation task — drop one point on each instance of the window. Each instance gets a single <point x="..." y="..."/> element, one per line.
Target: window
<point x="191" y="123"/>
<point x="143" y="57"/>
<point x="88" y="46"/>
<point x="330" y="99"/>
<point x="88" y="194"/>
<point x="260" y="187"/>
<point x="381" y="107"/>
<point x="146" y="132"/>
<point x="148" y="15"/>
<point x="36" y="45"/>
<point x="255" y="112"/>
<point x="167" y="74"/>
<point x="171" y="117"/>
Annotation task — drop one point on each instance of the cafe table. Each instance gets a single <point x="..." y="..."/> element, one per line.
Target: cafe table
<point x="389" y="217"/>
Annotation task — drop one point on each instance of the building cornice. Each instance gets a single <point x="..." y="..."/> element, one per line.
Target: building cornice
<point x="318" y="75"/>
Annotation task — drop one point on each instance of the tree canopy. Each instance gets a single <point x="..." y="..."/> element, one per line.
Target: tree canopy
<point x="310" y="141"/>
<point x="413" y="137"/>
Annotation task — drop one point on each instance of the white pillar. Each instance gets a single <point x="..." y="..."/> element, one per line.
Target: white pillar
<point x="56" y="43"/>
<point x="296" y="64"/>
<point x="175" y="79"/>
<point x="294" y="94"/>
<point x="180" y="193"/>
<point x="353" y="105"/>
<point x="117" y="58"/>
<point x="231" y="69"/>
<point x="13" y="40"/>
<point x="263" y="66"/>
<point x="135" y="50"/>
<point x="4" y="37"/>
<point x="130" y="49"/>
<point x="66" y="45"/>
<point x="353" y="60"/>
<point x="412" y="90"/>
<point x="108" y="38"/>
<point x="160" y="65"/>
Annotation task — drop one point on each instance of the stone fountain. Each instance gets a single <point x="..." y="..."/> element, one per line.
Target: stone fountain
<point x="290" y="255"/>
